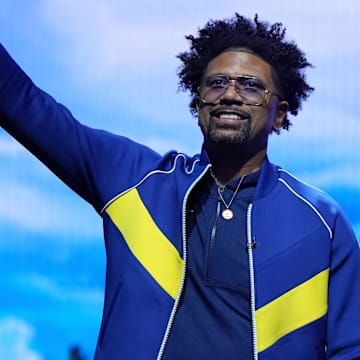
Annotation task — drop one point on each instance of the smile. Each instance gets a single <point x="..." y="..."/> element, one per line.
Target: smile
<point x="229" y="116"/>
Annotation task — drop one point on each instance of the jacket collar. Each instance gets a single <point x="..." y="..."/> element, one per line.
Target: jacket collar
<point x="267" y="180"/>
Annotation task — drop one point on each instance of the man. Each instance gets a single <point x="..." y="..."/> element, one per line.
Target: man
<point x="220" y="255"/>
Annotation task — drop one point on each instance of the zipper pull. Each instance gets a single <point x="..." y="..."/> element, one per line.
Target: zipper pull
<point x="252" y="244"/>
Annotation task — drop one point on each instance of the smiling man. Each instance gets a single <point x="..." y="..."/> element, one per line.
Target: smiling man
<point x="221" y="255"/>
<point x="238" y="112"/>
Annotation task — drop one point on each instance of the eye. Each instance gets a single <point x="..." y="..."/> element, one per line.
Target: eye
<point x="214" y="82"/>
<point x="250" y="83"/>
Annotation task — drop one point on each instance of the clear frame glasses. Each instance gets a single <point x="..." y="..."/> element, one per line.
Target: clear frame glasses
<point x="249" y="88"/>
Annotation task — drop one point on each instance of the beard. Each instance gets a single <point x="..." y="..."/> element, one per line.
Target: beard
<point x="228" y="135"/>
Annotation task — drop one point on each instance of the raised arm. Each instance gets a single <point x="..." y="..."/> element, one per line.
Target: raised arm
<point x="86" y="159"/>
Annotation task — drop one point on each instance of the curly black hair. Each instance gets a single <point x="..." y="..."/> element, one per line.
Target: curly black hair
<point x="267" y="41"/>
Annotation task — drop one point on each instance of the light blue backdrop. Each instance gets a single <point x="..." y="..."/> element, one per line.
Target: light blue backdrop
<point x="103" y="59"/>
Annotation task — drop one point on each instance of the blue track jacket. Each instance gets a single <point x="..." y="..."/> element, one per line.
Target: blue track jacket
<point x="304" y="270"/>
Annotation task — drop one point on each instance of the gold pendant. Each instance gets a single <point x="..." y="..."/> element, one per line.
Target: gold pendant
<point x="227" y="214"/>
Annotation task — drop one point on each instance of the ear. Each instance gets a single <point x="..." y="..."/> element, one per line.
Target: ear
<point x="281" y="111"/>
<point x="197" y="106"/>
<point x="197" y="102"/>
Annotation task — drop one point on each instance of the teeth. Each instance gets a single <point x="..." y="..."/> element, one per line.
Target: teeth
<point x="229" y="116"/>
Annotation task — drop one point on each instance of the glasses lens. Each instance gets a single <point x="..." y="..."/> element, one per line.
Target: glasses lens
<point x="250" y="89"/>
<point x="213" y="87"/>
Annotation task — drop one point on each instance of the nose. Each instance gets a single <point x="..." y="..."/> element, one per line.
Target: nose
<point x="231" y="92"/>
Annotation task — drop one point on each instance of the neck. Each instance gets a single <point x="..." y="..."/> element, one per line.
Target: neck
<point x="230" y="166"/>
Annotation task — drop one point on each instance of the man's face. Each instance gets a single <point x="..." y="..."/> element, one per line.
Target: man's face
<point x="228" y="121"/>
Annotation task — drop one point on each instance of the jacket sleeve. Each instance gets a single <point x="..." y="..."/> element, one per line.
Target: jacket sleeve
<point x="86" y="159"/>
<point x="343" y="337"/>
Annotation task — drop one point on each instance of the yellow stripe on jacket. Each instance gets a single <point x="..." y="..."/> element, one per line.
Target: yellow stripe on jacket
<point x="296" y="308"/>
<point x="146" y="241"/>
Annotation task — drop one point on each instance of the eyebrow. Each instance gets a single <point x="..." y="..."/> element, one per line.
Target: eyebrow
<point x="235" y="76"/>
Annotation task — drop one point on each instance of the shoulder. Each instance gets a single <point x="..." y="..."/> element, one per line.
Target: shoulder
<point x="304" y="190"/>
<point x="318" y="201"/>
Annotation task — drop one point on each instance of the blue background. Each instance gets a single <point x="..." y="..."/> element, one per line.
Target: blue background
<point x="113" y="64"/>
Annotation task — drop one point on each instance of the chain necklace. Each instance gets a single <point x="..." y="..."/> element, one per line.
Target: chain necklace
<point x="227" y="213"/>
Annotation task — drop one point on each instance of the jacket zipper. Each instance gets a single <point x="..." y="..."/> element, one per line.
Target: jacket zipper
<point x="214" y="228"/>
<point x="182" y="282"/>
<point x="250" y="245"/>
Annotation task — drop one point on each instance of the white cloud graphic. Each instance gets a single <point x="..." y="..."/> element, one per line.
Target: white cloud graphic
<point x="15" y="339"/>
<point x="10" y="147"/>
<point x="48" y="286"/>
<point x="345" y="176"/>
<point x="35" y="209"/>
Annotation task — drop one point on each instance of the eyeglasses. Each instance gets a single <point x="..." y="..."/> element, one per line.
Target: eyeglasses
<point x="250" y="89"/>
